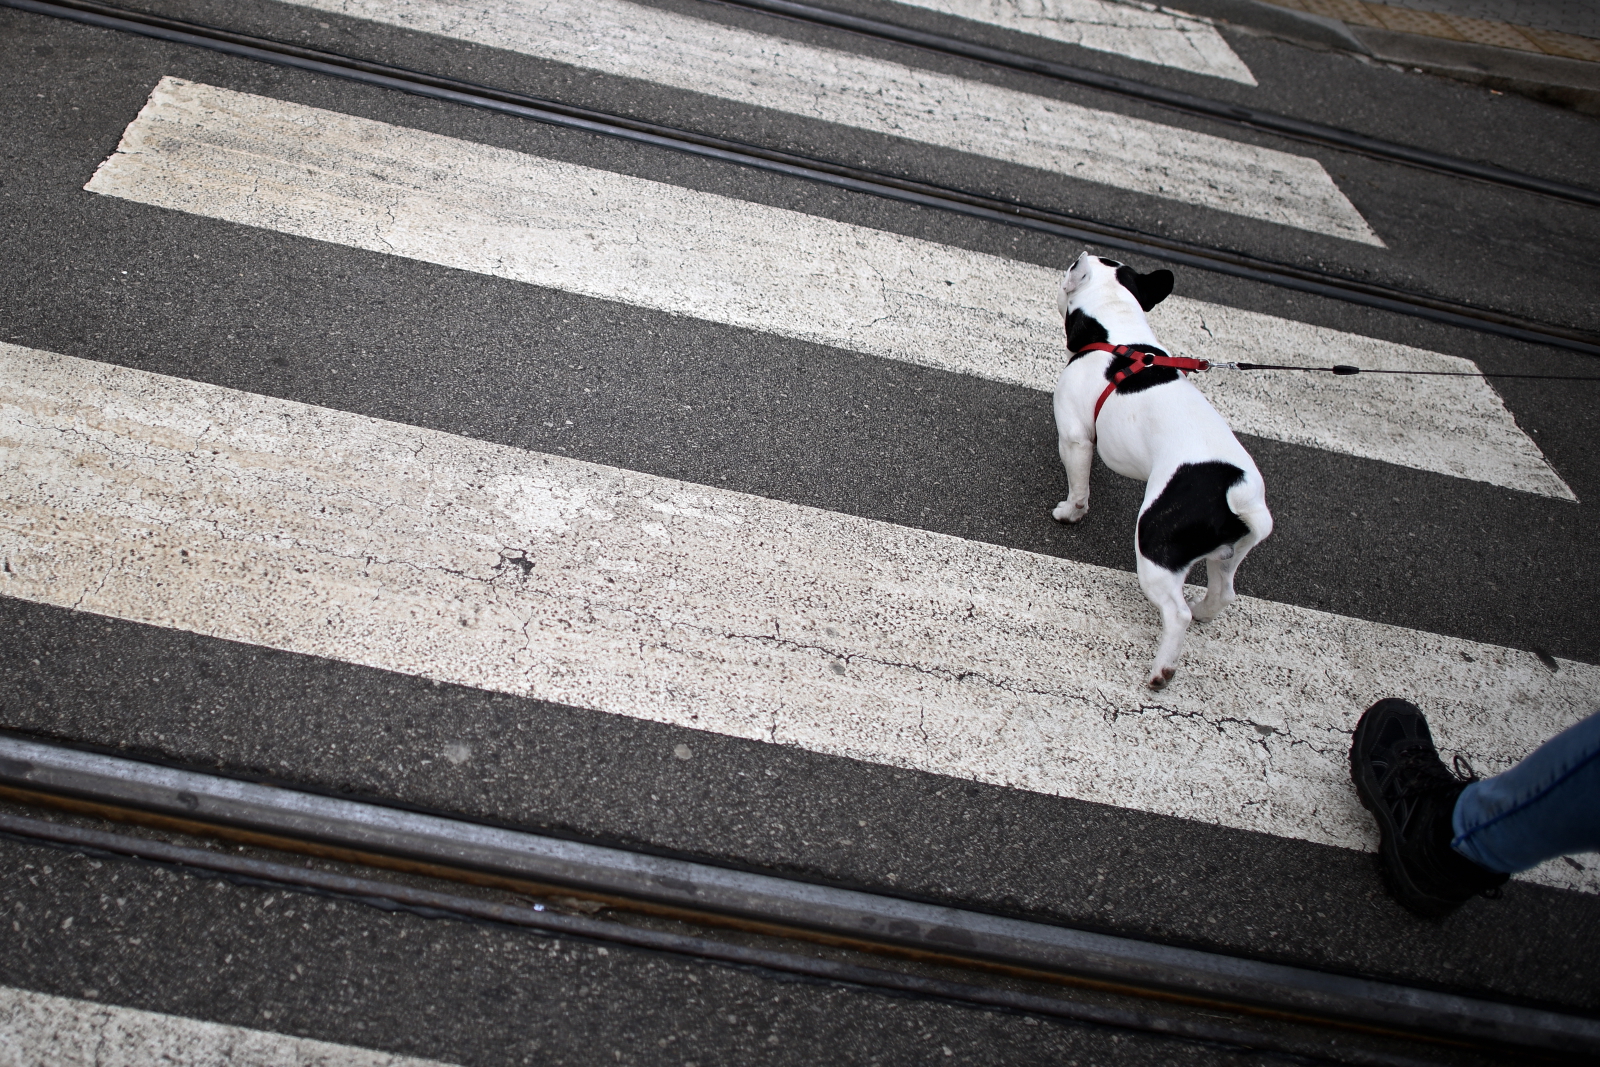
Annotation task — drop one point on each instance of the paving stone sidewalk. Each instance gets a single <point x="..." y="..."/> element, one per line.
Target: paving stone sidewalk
<point x="1580" y="17"/>
<point x="1569" y="29"/>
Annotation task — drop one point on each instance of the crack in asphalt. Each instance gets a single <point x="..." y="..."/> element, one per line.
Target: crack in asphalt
<point x="945" y="673"/>
<point x="1263" y="731"/>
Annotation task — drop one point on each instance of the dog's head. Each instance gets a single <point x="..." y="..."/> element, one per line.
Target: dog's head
<point x="1103" y="289"/>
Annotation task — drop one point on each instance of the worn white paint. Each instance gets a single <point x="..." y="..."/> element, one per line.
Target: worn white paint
<point x="186" y="505"/>
<point x="1455" y="426"/>
<point x="300" y="170"/>
<point x="1138" y="31"/>
<point x="38" y="1030"/>
<point x="647" y="43"/>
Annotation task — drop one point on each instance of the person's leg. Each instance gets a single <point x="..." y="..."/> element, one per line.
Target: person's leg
<point x="1546" y="806"/>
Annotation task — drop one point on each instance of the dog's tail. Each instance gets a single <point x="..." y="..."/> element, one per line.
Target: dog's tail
<point x="1248" y="500"/>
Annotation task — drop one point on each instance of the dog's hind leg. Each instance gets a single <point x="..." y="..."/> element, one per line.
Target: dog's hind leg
<point x="1221" y="565"/>
<point x="1077" y="455"/>
<point x="1165" y="590"/>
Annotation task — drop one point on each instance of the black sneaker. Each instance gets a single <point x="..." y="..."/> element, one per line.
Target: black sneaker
<point x="1401" y="780"/>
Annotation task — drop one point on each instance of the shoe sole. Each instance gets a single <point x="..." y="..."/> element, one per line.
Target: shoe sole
<point x="1400" y="884"/>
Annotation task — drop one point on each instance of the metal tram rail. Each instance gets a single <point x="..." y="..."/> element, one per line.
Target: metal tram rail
<point x="1316" y="133"/>
<point x="857" y="179"/>
<point x="1180" y="992"/>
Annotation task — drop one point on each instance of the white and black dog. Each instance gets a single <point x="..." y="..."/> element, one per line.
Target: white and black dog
<point x="1203" y="497"/>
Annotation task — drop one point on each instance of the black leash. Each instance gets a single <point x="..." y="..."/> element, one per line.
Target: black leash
<point x="1342" y="368"/>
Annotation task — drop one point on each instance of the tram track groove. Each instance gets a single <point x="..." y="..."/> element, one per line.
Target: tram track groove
<point x="175" y="799"/>
<point x="431" y="904"/>
<point x="857" y="179"/>
<point x="1300" y="130"/>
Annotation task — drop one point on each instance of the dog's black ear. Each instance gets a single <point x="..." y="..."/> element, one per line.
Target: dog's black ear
<point x="1149" y="289"/>
<point x="1154" y="288"/>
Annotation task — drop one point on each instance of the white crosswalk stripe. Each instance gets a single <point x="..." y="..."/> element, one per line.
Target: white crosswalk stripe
<point x="39" y="1030"/>
<point x="1155" y="35"/>
<point x="187" y="505"/>
<point x="314" y="173"/>
<point x="634" y="41"/>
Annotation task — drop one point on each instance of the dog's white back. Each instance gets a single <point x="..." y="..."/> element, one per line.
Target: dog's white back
<point x="1204" y="498"/>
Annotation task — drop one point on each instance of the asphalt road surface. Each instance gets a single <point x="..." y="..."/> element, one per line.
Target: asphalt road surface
<point x="390" y="446"/>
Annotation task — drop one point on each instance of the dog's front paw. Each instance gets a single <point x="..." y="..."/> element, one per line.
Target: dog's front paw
<point x="1068" y="511"/>
<point x="1160" y="677"/>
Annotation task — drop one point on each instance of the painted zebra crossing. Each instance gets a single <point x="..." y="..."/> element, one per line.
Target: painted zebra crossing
<point x="189" y="506"/>
<point x="636" y="41"/>
<point x="38" y="1028"/>
<point x="314" y="173"/>
<point x="264" y="578"/>
<point x="1155" y="35"/>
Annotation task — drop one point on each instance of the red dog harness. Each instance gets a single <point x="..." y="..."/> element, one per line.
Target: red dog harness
<point x="1142" y="361"/>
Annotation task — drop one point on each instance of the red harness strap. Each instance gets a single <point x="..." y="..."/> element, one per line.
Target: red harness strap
<point x="1142" y="361"/>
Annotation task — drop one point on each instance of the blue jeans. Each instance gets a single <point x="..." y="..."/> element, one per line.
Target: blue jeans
<point x="1548" y="805"/>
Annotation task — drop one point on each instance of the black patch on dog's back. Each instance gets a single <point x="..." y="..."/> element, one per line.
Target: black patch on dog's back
<point x="1083" y="330"/>
<point x="1191" y="517"/>
<point x="1137" y="383"/>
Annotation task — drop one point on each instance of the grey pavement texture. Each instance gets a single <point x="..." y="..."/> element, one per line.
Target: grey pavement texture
<point x="351" y="730"/>
<point x="492" y="359"/>
<point x="1581" y="17"/>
